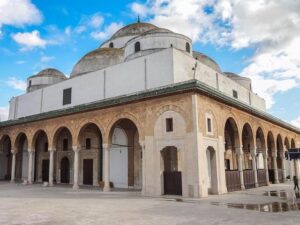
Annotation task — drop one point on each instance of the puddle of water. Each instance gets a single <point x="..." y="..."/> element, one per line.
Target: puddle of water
<point x="274" y="207"/>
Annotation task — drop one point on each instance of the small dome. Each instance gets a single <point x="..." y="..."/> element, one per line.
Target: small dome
<point x="98" y="59"/>
<point x="50" y="72"/>
<point x="133" y="29"/>
<point x="207" y="61"/>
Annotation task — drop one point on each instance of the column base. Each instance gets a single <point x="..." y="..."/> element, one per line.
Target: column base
<point x="51" y="185"/>
<point x="276" y="182"/>
<point x="106" y="189"/>
<point x="12" y="181"/>
<point x="256" y="185"/>
<point x="243" y="187"/>
<point x="75" y="186"/>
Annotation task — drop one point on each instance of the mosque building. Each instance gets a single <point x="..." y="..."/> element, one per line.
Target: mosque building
<point x="144" y="111"/>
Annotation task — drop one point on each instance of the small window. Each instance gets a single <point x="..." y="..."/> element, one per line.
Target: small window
<point x="188" y="47"/>
<point x="111" y="44"/>
<point x="209" y="128"/>
<point x="29" y="84"/>
<point x="88" y="143"/>
<point x="169" y="124"/>
<point x="67" y="96"/>
<point x="235" y="94"/>
<point x="65" y="144"/>
<point x="46" y="147"/>
<point x="171" y="45"/>
<point x="137" y="47"/>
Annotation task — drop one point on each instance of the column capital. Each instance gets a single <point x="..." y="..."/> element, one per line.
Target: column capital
<point x="106" y="146"/>
<point x="75" y="148"/>
<point x="142" y="144"/>
<point x="13" y="151"/>
<point x="51" y="150"/>
<point x="30" y="150"/>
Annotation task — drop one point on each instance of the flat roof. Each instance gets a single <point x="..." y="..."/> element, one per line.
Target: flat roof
<point x="188" y="86"/>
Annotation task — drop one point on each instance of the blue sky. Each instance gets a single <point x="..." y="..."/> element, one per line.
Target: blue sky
<point x="246" y="37"/>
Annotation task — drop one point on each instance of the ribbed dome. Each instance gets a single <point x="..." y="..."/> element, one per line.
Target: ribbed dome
<point x="133" y="29"/>
<point x="157" y="31"/>
<point x="50" y="72"/>
<point x="98" y="59"/>
<point x="207" y="61"/>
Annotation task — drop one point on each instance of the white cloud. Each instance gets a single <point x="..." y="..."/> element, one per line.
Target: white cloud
<point x="19" y="13"/>
<point x="20" y="62"/>
<point x="29" y="40"/>
<point x="68" y="31"/>
<point x="139" y="9"/>
<point x="296" y="122"/>
<point x="96" y="21"/>
<point x="17" y="84"/>
<point x="45" y="58"/>
<point x="4" y="113"/>
<point x="107" y="32"/>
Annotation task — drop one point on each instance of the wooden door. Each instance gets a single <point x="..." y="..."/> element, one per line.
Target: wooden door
<point x="88" y="171"/>
<point x="65" y="171"/>
<point x="45" y="170"/>
<point x="172" y="183"/>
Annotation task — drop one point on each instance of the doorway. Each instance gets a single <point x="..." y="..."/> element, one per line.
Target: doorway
<point x="88" y="171"/>
<point x="65" y="171"/>
<point x="45" y="170"/>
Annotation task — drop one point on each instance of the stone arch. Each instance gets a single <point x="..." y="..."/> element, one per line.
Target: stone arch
<point x="287" y="143"/>
<point x="35" y="137"/>
<point x="5" y="157"/>
<point x="171" y="178"/>
<point x="212" y="172"/>
<point x="21" y="148"/>
<point x="293" y="145"/>
<point x="56" y="133"/>
<point x="248" y="146"/>
<point x="260" y="140"/>
<point x="123" y="116"/>
<point x="124" y="139"/>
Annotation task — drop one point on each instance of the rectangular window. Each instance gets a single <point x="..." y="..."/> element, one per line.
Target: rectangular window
<point x="67" y="96"/>
<point x="209" y="129"/>
<point x="234" y="93"/>
<point x="88" y="144"/>
<point x="65" y="144"/>
<point x="169" y="124"/>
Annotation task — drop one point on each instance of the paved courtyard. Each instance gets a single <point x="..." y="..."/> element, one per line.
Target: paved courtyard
<point x="34" y="204"/>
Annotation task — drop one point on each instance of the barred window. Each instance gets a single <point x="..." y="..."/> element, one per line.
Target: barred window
<point x="67" y="96"/>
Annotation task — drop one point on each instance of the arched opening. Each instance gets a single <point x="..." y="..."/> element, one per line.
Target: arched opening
<point x="91" y="155"/>
<point x="21" y="157"/>
<point x="232" y="143"/>
<point x="172" y="179"/>
<point x="63" y="142"/>
<point x="212" y="176"/>
<point x="111" y="44"/>
<point x="125" y="155"/>
<point x="260" y="150"/>
<point x="271" y="153"/>
<point x="5" y="158"/>
<point x="137" y="47"/>
<point x="279" y="158"/>
<point x="188" y="47"/>
<point x="293" y="145"/>
<point x="41" y="159"/>
<point x="288" y="164"/>
<point x="248" y="149"/>
<point x="65" y="171"/>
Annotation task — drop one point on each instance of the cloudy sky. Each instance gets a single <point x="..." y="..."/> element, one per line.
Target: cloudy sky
<point x="259" y="39"/>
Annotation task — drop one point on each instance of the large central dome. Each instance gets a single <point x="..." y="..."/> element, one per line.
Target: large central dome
<point x="134" y="29"/>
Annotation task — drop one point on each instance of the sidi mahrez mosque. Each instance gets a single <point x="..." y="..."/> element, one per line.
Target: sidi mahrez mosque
<point x="144" y="111"/>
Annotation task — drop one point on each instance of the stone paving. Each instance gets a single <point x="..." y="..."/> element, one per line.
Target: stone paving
<point x="34" y="204"/>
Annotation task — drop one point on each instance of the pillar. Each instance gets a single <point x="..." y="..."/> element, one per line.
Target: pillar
<point x="283" y="167"/>
<point x="142" y="144"/>
<point x="275" y="169"/>
<point x="240" y="167"/>
<point x="106" y="163"/>
<point x="30" y="166"/>
<point x="265" y="156"/>
<point x="13" y="166"/>
<point x="254" y="168"/>
<point x="76" y="167"/>
<point x="51" y="166"/>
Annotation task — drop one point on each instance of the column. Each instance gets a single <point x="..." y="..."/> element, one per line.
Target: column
<point x="283" y="167"/>
<point x="51" y="166"/>
<point x="142" y="144"/>
<point x="13" y="166"/>
<point x="76" y="167"/>
<point x="106" y="163"/>
<point x="30" y="165"/>
<point x="240" y="167"/>
<point x="254" y="168"/>
<point x="265" y="156"/>
<point x="275" y="169"/>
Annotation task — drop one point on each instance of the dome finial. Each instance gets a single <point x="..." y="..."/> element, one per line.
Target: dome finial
<point x="138" y="20"/>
